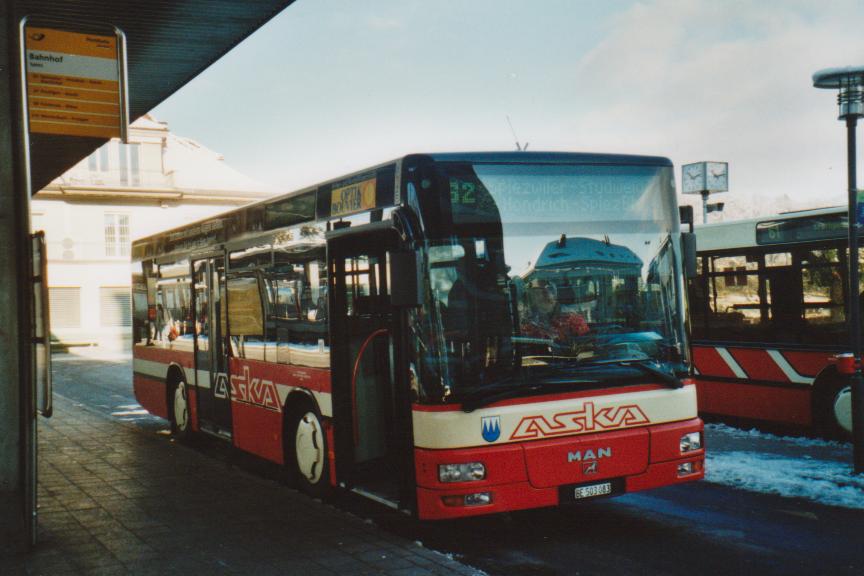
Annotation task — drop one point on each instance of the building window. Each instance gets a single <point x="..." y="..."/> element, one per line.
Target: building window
<point x="116" y="234"/>
<point x="98" y="160"/>
<point x="130" y="170"/>
<point x="65" y="307"/>
<point x="126" y="160"/>
<point x="115" y="307"/>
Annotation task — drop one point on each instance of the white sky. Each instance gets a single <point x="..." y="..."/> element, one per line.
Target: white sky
<point x="331" y="86"/>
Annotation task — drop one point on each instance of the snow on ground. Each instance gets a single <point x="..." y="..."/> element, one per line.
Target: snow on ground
<point x="825" y="482"/>
<point x="814" y="469"/>
<point x="798" y="441"/>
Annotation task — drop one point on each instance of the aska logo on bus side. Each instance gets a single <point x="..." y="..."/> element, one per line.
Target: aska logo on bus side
<point x="255" y="391"/>
<point x="587" y="419"/>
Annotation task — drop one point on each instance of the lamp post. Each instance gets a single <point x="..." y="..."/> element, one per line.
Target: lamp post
<point x="849" y="82"/>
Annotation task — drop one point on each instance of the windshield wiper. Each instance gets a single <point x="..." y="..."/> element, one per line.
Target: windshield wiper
<point x="493" y="393"/>
<point x="651" y="368"/>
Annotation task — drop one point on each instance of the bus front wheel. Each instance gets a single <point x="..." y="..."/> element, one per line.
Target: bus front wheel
<point x="307" y="442"/>
<point x="834" y="411"/>
<point x="841" y="408"/>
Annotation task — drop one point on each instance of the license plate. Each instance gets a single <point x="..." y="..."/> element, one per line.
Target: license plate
<point x="593" y="490"/>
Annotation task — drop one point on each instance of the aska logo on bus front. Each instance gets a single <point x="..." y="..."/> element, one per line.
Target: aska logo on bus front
<point x="586" y="420"/>
<point x="254" y="391"/>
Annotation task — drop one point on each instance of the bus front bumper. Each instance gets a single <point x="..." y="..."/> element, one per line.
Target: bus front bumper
<point x="510" y="484"/>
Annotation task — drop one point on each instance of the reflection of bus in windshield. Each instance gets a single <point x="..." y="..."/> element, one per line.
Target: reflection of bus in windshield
<point x="584" y="284"/>
<point x="391" y="332"/>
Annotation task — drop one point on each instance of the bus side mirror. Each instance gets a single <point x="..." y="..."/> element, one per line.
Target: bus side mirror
<point x="406" y="289"/>
<point x="686" y="215"/>
<point x="688" y="253"/>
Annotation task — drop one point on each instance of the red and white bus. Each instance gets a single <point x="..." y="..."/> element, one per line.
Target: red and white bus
<point x="450" y="334"/>
<point x="768" y="312"/>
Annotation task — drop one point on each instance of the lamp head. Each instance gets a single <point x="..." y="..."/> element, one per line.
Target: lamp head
<point x="849" y="81"/>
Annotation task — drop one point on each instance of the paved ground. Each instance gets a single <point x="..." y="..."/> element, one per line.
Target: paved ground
<point x="118" y="499"/>
<point x="118" y="489"/>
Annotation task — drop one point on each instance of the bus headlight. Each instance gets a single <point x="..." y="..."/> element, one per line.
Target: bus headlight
<point x="467" y="472"/>
<point x="690" y="442"/>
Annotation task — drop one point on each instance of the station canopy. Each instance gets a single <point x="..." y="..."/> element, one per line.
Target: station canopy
<point x="169" y="42"/>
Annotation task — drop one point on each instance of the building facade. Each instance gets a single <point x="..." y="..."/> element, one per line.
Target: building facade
<point x="121" y="192"/>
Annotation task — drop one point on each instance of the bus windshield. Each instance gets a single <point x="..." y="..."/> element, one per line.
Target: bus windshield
<point x="550" y="273"/>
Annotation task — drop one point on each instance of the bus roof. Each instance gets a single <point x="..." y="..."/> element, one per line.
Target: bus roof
<point x="582" y="251"/>
<point x="223" y="227"/>
<point x="515" y="157"/>
<point x="735" y="234"/>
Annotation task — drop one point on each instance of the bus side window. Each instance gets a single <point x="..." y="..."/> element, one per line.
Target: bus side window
<point x="297" y="314"/>
<point x="734" y="303"/>
<point x="246" y="317"/>
<point x="822" y="296"/>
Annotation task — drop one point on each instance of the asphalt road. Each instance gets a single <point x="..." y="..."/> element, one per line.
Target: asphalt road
<point x="698" y="528"/>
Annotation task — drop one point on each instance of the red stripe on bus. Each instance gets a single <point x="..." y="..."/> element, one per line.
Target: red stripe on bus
<point x="549" y="397"/>
<point x="316" y="379"/>
<point x="192" y="396"/>
<point x="257" y="430"/>
<point x="774" y="403"/>
<point x="808" y="363"/>
<point x="151" y="394"/>
<point x="709" y="361"/>
<point x="331" y="453"/>
<point x="758" y="364"/>
<point x="164" y="355"/>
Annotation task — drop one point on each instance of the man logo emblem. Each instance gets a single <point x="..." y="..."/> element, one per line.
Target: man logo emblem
<point x="589" y="467"/>
<point x="490" y="427"/>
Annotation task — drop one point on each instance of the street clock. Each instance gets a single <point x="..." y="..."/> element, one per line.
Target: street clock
<point x="704" y="177"/>
<point x="717" y="176"/>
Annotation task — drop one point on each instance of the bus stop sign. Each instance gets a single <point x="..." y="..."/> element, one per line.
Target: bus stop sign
<point x="74" y="82"/>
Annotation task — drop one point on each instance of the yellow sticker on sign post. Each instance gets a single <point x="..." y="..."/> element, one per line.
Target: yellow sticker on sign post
<point x="73" y="83"/>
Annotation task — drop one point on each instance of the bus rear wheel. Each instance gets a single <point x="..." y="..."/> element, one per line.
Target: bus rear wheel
<point x="307" y="452"/>
<point x="180" y="426"/>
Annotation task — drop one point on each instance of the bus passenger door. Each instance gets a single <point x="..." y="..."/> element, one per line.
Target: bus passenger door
<point x="213" y="398"/>
<point x="370" y="456"/>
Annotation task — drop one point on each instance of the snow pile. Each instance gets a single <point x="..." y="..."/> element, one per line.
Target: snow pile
<point x="825" y="482"/>
<point x="798" y="441"/>
<point x="811" y="468"/>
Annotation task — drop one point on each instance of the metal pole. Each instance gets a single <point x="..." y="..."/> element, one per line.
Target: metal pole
<point x="705" y="195"/>
<point x="855" y="303"/>
<point x="16" y="415"/>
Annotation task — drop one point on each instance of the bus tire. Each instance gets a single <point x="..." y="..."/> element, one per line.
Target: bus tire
<point x="834" y="408"/>
<point x="306" y="450"/>
<point x="181" y="426"/>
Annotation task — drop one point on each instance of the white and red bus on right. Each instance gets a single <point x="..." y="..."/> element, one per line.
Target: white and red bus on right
<point x="769" y="317"/>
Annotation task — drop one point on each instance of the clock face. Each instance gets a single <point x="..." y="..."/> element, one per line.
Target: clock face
<point x="717" y="177"/>
<point x="693" y="178"/>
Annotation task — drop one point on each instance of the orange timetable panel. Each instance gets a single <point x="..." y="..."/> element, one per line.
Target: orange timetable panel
<point x="51" y="40"/>
<point x="73" y="83"/>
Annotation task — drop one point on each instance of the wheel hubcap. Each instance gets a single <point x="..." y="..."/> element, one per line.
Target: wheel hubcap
<point x="181" y="409"/>
<point x="310" y="447"/>
<point x="843" y="408"/>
